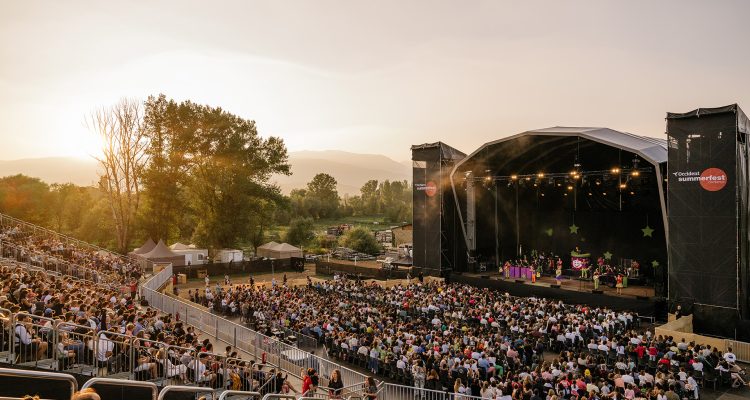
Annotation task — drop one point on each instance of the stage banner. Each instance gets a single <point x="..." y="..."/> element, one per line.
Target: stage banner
<point x="579" y="261"/>
<point x="703" y="187"/>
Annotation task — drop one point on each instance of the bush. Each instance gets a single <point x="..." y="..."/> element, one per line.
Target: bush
<point x="361" y="240"/>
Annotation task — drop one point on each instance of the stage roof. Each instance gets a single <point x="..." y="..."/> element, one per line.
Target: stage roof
<point x="652" y="149"/>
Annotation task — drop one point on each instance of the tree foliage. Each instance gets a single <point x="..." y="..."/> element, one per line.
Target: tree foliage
<point x="214" y="165"/>
<point x="300" y="232"/>
<point x="361" y="240"/>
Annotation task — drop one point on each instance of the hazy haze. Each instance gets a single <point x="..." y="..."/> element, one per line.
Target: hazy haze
<point x="369" y="77"/>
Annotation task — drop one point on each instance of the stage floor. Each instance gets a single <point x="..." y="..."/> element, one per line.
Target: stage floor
<point x="576" y="284"/>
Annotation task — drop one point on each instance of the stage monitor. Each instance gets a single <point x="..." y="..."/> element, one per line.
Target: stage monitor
<point x="707" y="208"/>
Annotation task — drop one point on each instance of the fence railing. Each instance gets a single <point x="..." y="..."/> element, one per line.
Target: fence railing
<point x="8" y="221"/>
<point x="57" y="265"/>
<point x="289" y="358"/>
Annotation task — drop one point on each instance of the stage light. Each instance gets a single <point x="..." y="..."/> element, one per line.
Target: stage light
<point x="528" y="178"/>
<point x="576" y="176"/>
<point x="590" y="194"/>
<point x="542" y="194"/>
<point x="514" y="177"/>
<point x="487" y="178"/>
<point x="623" y="186"/>
<point x="540" y="175"/>
<point x="570" y="187"/>
<point x="573" y="172"/>
<point x="605" y="193"/>
<point x="565" y="194"/>
<point x="615" y="170"/>
<point x="635" y="173"/>
<point x="535" y="185"/>
<point x="632" y="193"/>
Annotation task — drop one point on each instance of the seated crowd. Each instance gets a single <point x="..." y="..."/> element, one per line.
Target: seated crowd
<point x="67" y="324"/>
<point x="46" y="250"/>
<point x="479" y="342"/>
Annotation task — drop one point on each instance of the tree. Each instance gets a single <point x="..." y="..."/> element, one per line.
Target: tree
<point x="322" y="196"/>
<point x="300" y="231"/>
<point x="122" y="161"/>
<point x="25" y="198"/>
<point x="230" y="167"/>
<point x="361" y="240"/>
<point x="169" y="127"/>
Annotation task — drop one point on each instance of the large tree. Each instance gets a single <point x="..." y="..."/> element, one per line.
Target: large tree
<point x="322" y="196"/>
<point x="25" y="198"/>
<point x="169" y="127"/>
<point x="122" y="162"/>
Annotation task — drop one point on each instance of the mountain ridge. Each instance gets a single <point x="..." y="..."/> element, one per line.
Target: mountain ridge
<point x="351" y="170"/>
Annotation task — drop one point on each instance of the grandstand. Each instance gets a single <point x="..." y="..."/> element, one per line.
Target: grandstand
<point x="71" y="320"/>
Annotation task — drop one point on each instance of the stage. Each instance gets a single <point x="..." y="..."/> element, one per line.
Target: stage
<point x="639" y="299"/>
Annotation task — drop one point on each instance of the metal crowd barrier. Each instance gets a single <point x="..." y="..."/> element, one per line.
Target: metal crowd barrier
<point x="102" y="385"/>
<point x="290" y="359"/>
<point x="8" y="221"/>
<point x="17" y="383"/>
<point x="182" y="389"/>
<point x="245" y="394"/>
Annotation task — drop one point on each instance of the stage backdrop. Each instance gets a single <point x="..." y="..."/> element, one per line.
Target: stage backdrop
<point x="707" y="197"/>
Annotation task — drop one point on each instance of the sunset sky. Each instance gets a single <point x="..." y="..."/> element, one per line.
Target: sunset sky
<point x="369" y="76"/>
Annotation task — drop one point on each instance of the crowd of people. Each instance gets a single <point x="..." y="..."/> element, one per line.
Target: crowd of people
<point x="445" y="337"/>
<point x="479" y="342"/>
<point x="81" y="325"/>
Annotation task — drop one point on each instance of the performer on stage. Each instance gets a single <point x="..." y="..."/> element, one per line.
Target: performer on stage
<point x="558" y="272"/>
<point x="506" y="267"/>
<point x="596" y="279"/>
<point x="619" y="284"/>
<point x="533" y="273"/>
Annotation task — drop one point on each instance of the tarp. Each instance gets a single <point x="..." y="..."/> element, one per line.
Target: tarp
<point x="276" y="250"/>
<point x="179" y="246"/>
<point x="148" y="246"/>
<point x="160" y="251"/>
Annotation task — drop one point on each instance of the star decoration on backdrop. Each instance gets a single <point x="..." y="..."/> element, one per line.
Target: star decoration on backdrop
<point x="549" y="232"/>
<point x="573" y="229"/>
<point x="607" y="255"/>
<point x="654" y="263"/>
<point x="647" y="231"/>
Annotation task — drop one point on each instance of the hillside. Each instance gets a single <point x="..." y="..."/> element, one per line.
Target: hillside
<point x="351" y="170"/>
<point x="53" y="169"/>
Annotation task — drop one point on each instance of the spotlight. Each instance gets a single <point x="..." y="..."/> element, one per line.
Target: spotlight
<point x="542" y="194"/>
<point x="605" y="193"/>
<point x="573" y="172"/>
<point x="598" y="182"/>
<point x="535" y="185"/>
<point x="528" y="178"/>
<point x="623" y="186"/>
<point x="565" y="194"/>
<point x="487" y="178"/>
<point x="635" y="173"/>
<point x="559" y="184"/>
<point x="514" y="177"/>
<point x="540" y="175"/>
<point x="632" y="193"/>
<point x="590" y="194"/>
<point x="615" y="171"/>
<point x="570" y="187"/>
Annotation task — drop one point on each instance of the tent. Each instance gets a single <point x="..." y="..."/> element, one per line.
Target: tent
<point x="148" y="246"/>
<point x="179" y="246"/>
<point x="276" y="250"/>
<point x="162" y="253"/>
<point x="192" y="254"/>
